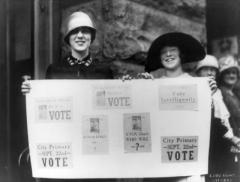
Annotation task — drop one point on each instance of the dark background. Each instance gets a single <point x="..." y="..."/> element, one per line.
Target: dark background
<point x="21" y="51"/>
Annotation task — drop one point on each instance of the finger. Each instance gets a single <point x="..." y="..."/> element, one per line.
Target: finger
<point x="126" y="77"/>
<point x="26" y="87"/>
<point x="213" y="86"/>
<point x="25" y="91"/>
<point x="212" y="82"/>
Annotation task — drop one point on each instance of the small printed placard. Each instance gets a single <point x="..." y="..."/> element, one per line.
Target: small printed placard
<point x="174" y="97"/>
<point x="54" y="109"/>
<point x="112" y="97"/>
<point x="95" y="135"/>
<point x="54" y="155"/>
<point x="179" y="149"/>
<point x="137" y="132"/>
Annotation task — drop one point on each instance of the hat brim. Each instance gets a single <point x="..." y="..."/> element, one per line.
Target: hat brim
<point x="93" y="33"/>
<point x="230" y="67"/>
<point x="188" y="46"/>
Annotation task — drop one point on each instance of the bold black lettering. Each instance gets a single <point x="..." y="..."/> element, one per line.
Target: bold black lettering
<point x="57" y="159"/>
<point x="177" y="155"/>
<point x="65" y="162"/>
<point x="116" y="101"/>
<point x="68" y="116"/>
<point x="50" y="162"/>
<point x="127" y="101"/>
<point x="184" y="154"/>
<point x="191" y="155"/>
<point x="51" y="113"/>
<point x="44" y="160"/>
<point x="170" y="155"/>
<point x="110" y="101"/>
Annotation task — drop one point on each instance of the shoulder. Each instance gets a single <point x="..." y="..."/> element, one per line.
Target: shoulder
<point x="186" y="75"/>
<point x="224" y="92"/>
<point x="56" y="67"/>
<point x="96" y="63"/>
<point x="102" y="68"/>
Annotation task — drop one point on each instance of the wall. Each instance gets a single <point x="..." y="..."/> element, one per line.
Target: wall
<point x="127" y="27"/>
<point x="23" y="29"/>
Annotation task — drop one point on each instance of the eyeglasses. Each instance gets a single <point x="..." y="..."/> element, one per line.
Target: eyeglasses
<point x="83" y="30"/>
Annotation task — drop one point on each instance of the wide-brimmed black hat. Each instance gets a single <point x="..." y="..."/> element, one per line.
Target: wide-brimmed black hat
<point x="188" y="46"/>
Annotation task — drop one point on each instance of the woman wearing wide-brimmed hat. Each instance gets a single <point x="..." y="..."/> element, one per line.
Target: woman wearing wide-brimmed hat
<point x="168" y="52"/>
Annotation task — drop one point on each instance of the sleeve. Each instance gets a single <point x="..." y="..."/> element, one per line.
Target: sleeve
<point x="234" y="110"/>
<point x="220" y="109"/>
<point x="221" y="112"/>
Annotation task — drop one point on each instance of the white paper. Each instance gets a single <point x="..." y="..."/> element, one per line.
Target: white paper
<point x="116" y="129"/>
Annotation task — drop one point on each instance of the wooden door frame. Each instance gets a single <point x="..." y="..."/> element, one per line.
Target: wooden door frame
<point x="46" y="35"/>
<point x="7" y="56"/>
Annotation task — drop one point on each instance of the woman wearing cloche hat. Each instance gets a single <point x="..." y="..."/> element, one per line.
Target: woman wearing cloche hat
<point x="229" y="75"/>
<point x="221" y="130"/>
<point x="79" y="33"/>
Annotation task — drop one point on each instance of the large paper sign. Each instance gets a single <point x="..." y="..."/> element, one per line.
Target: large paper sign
<point x="115" y="129"/>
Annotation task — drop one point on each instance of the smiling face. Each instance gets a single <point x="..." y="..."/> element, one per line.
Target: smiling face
<point x="80" y="40"/>
<point x="230" y="76"/>
<point x="170" y="57"/>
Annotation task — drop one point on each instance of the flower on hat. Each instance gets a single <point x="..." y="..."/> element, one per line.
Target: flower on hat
<point x="228" y="62"/>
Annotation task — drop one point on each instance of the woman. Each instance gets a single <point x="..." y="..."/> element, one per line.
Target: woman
<point x="229" y="75"/>
<point x="167" y="53"/>
<point x="170" y="51"/>
<point x="79" y="35"/>
<point x="221" y="131"/>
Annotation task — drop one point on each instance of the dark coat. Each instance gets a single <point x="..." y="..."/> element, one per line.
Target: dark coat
<point x="64" y="70"/>
<point x="233" y="104"/>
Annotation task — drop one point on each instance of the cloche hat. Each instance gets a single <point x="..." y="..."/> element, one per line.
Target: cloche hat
<point x="228" y="62"/>
<point x="77" y="20"/>
<point x="208" y="61"/>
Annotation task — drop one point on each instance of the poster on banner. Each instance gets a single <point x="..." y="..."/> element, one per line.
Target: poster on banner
<point x="91" y="127"/>
<point x="179" y="149"/>
<point x="110" y="97"/>
<point x="137" y="132"/>
<point x="182" y="97"/>
<point x="53" y="109"/>
<point x="58" y="155"/>
<point x="95" y="135"/>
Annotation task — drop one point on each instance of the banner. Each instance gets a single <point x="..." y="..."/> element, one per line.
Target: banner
<point x="116" y="129"/>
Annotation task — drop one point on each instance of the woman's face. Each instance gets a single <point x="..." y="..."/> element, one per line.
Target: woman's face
<point x="170" y="57"/>
<point x="207" y="71"/>
<point x="80" y="39"/>
<point x="230" y="76"/>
